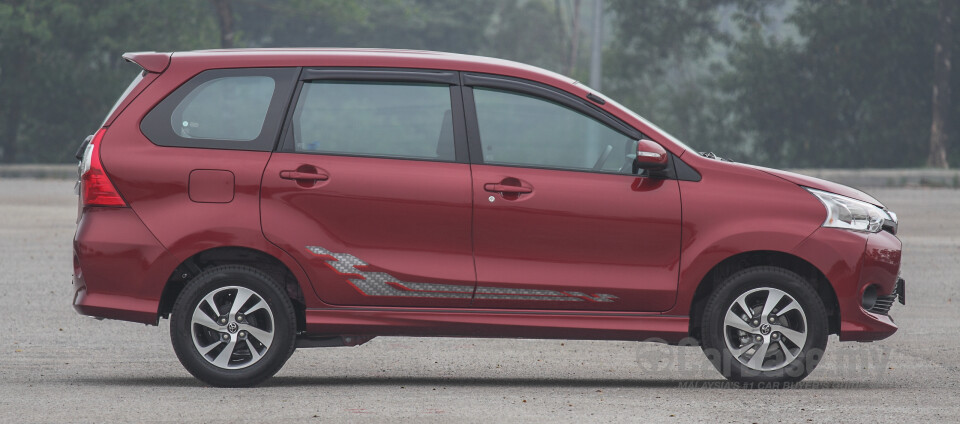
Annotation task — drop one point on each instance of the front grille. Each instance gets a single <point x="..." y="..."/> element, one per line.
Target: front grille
<point x="884" y="303"/>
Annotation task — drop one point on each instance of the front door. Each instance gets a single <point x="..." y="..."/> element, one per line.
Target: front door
<point x="560" y="220"/>
<point x="370" y="191"/>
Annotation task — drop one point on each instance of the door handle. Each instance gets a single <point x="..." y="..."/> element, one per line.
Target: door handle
<point x="503" y="188"/>
<point x="309" y="176"/>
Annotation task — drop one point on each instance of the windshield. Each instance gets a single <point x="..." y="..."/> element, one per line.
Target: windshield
<point x="653" y="126"/>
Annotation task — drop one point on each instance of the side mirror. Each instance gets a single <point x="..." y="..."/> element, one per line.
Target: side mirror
<point x="650" y="156"/>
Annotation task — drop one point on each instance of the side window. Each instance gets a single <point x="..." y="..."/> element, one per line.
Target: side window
<point x="516" y="129"/>
<point x="236" y="109"/>
<point x="403" y="120"/>
<point x="228" y="108"/>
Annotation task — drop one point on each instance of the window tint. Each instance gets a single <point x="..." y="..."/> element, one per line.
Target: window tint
<point x="516" y="129"/>
<point x="377" y="119"/>
<point x="230" y="108"/>
<point x="133" y="84"/>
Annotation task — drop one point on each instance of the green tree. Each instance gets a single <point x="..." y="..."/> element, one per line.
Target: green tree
<point x="663" y="63"/>
<point x="257" y="23"/>
<point x="843" y="83"/>
<point x="853" y="91"/>
<point x="530" y="31"/>
<point x="943" y="47"/>
<point x="60" y="65"/>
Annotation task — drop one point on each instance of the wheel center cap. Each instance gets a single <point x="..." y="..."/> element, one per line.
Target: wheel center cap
<point x="233" y="327"/>
<point x="765" y="329"/>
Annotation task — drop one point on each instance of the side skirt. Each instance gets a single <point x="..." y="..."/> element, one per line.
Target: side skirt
<point x="533" y="324"/>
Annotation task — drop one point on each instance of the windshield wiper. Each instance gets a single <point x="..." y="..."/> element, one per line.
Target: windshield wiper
<point x="712" y="155"/>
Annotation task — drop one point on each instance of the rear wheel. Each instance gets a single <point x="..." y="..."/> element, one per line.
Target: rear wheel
<point x="764" y="324"/>
<point x="233" y="326"/>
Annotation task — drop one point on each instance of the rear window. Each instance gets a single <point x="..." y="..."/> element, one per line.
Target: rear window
<point x="126" y="93"/>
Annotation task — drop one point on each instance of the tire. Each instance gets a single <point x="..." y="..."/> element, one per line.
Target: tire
<point x="789" y="347"/>
<point x="235" y="346"/>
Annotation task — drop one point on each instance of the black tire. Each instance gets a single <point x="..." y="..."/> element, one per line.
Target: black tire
<point x="249" y="361"/>
<point x="758" y="285"/>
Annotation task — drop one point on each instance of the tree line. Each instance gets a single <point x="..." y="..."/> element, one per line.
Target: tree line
<point x="799" y="83"/>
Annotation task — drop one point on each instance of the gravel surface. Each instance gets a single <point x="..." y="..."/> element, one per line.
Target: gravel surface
<point x="56" y="366"/>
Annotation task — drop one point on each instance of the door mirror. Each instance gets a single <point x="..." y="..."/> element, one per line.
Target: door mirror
<point x="650" y="156"/>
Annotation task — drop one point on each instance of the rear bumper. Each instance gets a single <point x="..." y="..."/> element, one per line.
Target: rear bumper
<point x="119" y="267"/>
<point x="852" y="262"/>
<point x="124" y="308"/>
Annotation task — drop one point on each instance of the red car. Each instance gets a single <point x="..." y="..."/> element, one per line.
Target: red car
<point x="266" y="200"/>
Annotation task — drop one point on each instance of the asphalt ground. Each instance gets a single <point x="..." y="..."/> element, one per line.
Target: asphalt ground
<point x="57" y="366"/>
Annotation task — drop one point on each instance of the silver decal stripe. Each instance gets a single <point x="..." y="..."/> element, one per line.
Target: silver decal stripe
<point x="383" y="284"/>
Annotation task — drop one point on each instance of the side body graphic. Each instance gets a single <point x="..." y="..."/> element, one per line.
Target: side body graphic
<point x="371" y="283"/>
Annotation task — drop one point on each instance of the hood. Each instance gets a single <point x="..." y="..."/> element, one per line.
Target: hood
<point x="817" y="183"/>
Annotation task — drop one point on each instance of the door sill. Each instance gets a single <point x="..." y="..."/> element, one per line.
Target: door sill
<point x="513" y="323"/>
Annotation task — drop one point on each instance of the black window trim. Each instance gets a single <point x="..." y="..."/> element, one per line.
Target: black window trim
<point x="383" y="75"/>
<point x="155" y="125"/>
<point x="546" y="93"/>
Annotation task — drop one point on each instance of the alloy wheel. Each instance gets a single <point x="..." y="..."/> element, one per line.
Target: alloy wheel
<point x="765" y="328"/>
<point x="232" y="327"/>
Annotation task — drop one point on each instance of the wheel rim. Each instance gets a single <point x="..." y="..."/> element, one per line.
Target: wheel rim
<point x="765" y="329"/>
<point x="232" y="327"/>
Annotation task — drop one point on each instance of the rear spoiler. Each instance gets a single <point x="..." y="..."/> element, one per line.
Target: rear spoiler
<point x="149" y="61"/>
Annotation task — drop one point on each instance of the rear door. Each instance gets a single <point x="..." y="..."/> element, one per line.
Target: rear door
<point x="560" y="219"/>
<point x="370" y="190"/>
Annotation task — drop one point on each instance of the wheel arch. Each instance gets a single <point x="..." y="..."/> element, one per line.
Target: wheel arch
<point x="238" y="255"/>
<point x="727" y="267"/>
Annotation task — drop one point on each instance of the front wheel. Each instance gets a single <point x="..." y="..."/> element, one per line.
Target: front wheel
<point x="233" y="326"/>
<point x="764" y="324"/>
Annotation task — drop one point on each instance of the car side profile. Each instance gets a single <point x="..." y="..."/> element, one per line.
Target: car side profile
<point x="271" y="199"/>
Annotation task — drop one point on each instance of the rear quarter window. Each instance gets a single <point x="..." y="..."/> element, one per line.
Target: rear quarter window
<point x="227" y="108"/>
<point x="236" y="109"/>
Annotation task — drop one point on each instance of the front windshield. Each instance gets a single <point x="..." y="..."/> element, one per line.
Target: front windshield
<point x="641" y="119"/>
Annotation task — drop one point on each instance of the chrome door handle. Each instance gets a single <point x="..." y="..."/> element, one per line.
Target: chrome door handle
<point x="503" y="188"/>
<point x="308" y="176"/>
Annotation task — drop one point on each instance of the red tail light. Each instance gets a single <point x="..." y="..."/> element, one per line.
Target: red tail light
<point x="96" y="188"/>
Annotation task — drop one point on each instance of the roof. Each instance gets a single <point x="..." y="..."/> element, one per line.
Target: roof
<point x="393" y="58"/>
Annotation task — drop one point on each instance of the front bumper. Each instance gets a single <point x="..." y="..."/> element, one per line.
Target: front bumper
<point x="883" y="303"/>
<point x="852" y="262"/>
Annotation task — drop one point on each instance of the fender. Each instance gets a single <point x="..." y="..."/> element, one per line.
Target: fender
<point x="736" y="209"/>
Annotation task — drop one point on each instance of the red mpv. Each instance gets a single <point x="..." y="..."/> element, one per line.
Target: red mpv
<point x="266" y="200"/>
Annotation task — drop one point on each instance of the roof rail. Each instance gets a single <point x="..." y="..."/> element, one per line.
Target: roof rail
<point x="149" y="61"/>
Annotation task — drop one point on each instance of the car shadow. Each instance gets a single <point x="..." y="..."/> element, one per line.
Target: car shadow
<point x="448" y="382"/>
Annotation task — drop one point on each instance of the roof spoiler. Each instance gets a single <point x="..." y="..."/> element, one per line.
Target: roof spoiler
<point x="149" y="61"/>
